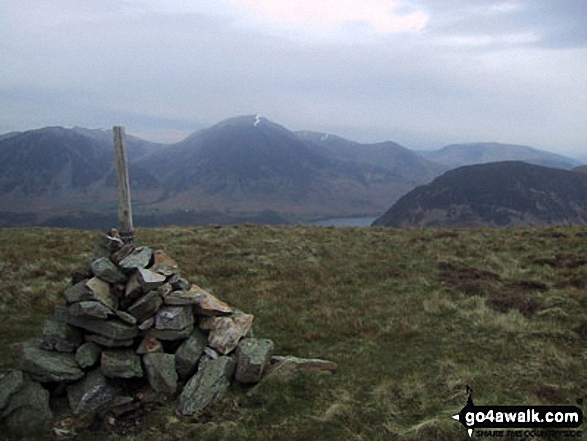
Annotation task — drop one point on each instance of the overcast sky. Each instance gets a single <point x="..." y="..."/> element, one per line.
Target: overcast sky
<point x="423" y="73"/>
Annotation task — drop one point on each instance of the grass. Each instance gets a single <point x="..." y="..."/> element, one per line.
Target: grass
<point x="410" y="316"/>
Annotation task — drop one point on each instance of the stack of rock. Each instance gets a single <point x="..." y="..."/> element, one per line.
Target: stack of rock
<point x="132" y="327"/>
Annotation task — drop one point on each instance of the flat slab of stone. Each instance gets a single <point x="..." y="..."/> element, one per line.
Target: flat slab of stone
<point x="28" y="411"/>
<point x="226" y="332"/>
<point x="174" y="318"/>
<point x="104" y="269"/>
<point x="100" y="291"/>
<point x="138" y="258"/>
<point x="46" y="366"/>
<point x="207" y="304"/>
<point x="108" y="342"/>
<point x="90" y="308"/>
<point x="9" y="385"/>
<point x="149" y="280"/>
<point x="188" y="354"/>
<point x="291" y="364"/>
<point x="146" y="306"/>
<point x="60" y="337"/>
<point x="177" y="298"/>
<point x="112" y="328"/>
<point x="77" y="292"/>
<point x="207" y="386"/>
<point x="161" y="372"/>
<point x="121" y="364"/>
<point x="253" y="356"/>
<point x="88" y="395"/>
<point x="88" y="354"/>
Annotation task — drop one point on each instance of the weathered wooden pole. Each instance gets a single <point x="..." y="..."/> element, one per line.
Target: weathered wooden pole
<point x="124" y="207"/>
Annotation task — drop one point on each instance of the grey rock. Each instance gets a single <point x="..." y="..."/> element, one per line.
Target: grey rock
<point x="59" y="336"/>
<point x="123" y="252"/>
<point x="100" y="291"/>
<point x="88" y="395"/>
<point x="88" y="354"/>
<point x="253" y="356"/>
<point x="147" y="324"/>
<point x="149" y="345"/>
<point x="149" y="280"/>
<point x="207" y="304"/>
<point x="28" y="411"/>
<point x="112" y="328"/>
<point x="77" y="292"/>
<point x="121" y="364"/>
<point x="177" y="298"/>
<point x="126" y="317"/>
<point x="207" y="386"/>
<point x="9" y="385"/>
<point x="104" y="269"/>
<point x="90" y="308"/>
<point x="169" y="334"/>
<point x="138" y="258"/>
<point x="45" y="366"/>
<point x="146" y="306"/>
<point x="208" y="355"/>
<point x="109" y="342"/>
<point x="161" y="372"/>
<point x="188" y="354"/>
<point x="174" y="318"/>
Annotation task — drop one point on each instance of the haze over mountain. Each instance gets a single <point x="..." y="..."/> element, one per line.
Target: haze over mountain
<point x="242" y="165"/>
<point x="494" y="194"/>
<point x="456" y="155"/>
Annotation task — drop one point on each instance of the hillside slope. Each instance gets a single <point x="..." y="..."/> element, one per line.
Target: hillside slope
<point x="495" y="194"/>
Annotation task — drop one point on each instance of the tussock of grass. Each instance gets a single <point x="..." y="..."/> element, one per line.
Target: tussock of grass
<point x="410" y="316"/>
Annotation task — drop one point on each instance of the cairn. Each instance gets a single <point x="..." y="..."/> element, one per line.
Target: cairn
<point x="132" y="328"/>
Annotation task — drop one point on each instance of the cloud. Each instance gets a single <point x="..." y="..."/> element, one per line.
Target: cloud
<point x="328" y="14"/>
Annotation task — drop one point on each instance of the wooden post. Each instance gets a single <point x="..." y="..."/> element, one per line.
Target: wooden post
<point x="124" y="207"/>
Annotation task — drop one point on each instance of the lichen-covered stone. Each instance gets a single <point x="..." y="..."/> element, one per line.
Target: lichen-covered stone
<point x="88" y="354"/>
<point x="59" y="336"/>
<point x="100" y="291"/>
<point x="45" y="366"/>
<point x="138" y="258"/>
<point x="9" y="385"/>
<point x="91" y="393"/>
<point x="104" y="269"/>
<point x="146" y="306"/>
<point x="108" y="342"/>
<point x="161" y="372"/>
<point x="28" y="410"/>
<point x="253" y="356"/>
<point x="174" y="318"/>
<point x="121" y="364"/>
<point x="90" y="308"/>
<point x="149" y="280"/>
<point x="207" y="304"/>
<point x="178" y="283"/>
<point x="170" y="334"/>
<point x="112" y="328"/>
<point x="126" y="317"/>
<point x="207" y="386"/>
<point x="188" y="354"/>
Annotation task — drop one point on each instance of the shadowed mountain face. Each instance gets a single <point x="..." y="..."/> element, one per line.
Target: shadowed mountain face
<point x="495" y="194"/>
<point x="456" y="155"/>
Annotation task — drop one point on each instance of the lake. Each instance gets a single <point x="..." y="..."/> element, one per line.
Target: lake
<point x="345" y="222"/>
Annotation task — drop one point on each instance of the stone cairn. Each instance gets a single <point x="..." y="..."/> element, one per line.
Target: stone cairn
<point x="132" y="332"/>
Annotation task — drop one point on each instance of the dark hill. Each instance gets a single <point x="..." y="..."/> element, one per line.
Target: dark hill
<point x="495" y="194"/>
<point x="456" y="155"/>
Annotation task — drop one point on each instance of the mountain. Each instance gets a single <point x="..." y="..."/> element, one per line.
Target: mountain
<point x="581" y="169"/>
<point x="393" y="157"/>
<point x="494" y="194"/>
<point x="456" y="155"/>
<point x="249" y="163"/>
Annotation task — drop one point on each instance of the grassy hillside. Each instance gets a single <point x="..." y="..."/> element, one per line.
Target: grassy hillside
<point x="410" y="316"/>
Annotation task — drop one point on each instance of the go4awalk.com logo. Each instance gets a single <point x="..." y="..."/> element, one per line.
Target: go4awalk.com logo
<point x="520" y="421"/>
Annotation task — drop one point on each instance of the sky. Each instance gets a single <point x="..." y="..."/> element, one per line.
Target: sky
<point x="423" y="73"/>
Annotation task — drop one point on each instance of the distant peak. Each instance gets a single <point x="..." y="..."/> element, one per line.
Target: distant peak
<point x="257" y="120"/>
<point x="324" y="136"/>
